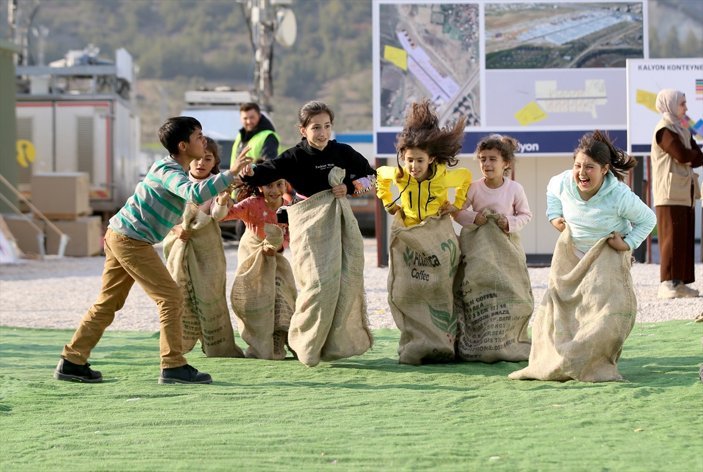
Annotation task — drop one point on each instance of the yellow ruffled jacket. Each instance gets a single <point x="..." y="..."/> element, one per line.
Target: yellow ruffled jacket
<point x="420" y="200"/>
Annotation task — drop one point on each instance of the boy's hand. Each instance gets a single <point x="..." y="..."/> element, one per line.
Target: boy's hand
<point x="241" y="161"/>
<point x="268" y="251"/>
<point x="480" y="219"/>
<point x="616" y="242"/>
<point x="247" y="170"/>
<point x="559" y="224"/>
<point x="339" y="191"/>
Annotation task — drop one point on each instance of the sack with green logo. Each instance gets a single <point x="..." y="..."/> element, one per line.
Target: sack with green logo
<point x="585" y="316"/>
<point x="423" y="262"/>
<point x="493" y="295"/>
<point x="263" y="294"/>
<point x="198" y="267"/>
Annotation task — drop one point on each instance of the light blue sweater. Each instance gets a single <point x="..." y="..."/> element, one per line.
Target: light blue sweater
<point x="614" y="208"/>
<point x="159" y="200"/>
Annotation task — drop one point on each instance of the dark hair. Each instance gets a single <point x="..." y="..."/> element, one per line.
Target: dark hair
<point x="177" y="129"/>
<point x="312" y="109"/>
<point x="212" y="146"/>
<point x="250" y="106"/>
<point x="506" y="145"/>
<point x="597" y="146"/>
<point x="422" y="131"/>
<point x="249" y="190"/>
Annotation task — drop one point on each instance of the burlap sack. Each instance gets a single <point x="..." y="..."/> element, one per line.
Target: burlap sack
<point x="263" y="294"/>
<point x="198" y="267"/>
<point x="586" y="314"/>
<point x="330" y="320"/>
<point x="493" y="295"/>
<point x="424" y="259"/>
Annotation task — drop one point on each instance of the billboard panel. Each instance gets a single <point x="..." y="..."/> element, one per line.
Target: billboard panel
<point x="645" y="78"/>
<point x="562" y="34"/>
<point x="544" y="71"/>
<point x="429" y="50"/>
<point x="555" y="98"/>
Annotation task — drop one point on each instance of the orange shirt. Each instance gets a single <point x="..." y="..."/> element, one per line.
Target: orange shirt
<point x="255" y="214"/>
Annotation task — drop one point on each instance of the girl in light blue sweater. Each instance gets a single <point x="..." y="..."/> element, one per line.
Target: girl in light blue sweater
<point x="590" y="305"/>
<point x="593" y="199"/>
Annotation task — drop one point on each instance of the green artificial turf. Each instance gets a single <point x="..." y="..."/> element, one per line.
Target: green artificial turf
<point x="364" y="413"/>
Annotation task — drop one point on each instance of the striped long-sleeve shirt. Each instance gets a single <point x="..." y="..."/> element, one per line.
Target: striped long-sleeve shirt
<point x="159" y="200"/>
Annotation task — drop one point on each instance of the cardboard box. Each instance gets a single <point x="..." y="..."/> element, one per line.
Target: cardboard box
<point x="85" y="235"/>
<point x="62" y="195"/>
<point x="24" y="230"/>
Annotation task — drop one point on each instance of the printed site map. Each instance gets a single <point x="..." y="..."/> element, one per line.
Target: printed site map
<point x="429" y="51"/>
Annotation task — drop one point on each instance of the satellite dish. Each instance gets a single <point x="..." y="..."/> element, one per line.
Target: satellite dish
<point x="286" y="30"/>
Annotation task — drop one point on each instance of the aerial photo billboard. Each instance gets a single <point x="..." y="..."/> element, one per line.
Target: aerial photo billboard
<point x="531" y="69"/>
<point x="429" y="50"/>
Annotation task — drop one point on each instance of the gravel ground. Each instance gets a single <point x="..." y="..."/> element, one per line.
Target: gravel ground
<point x="55" y="293"/>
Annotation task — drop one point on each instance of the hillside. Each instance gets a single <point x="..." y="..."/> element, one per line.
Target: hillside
<point x="185" y="44"/>
<point x="179" y="45"/>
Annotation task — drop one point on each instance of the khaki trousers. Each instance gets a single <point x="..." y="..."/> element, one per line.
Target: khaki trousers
<point x="128" y="260"/>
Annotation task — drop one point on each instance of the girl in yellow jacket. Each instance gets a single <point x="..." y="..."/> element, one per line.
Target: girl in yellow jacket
<point x="425" y="151"/>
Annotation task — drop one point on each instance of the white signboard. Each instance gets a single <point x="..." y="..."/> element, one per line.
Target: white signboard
<point x="543" y="72"/>
<point x="645" y="78"/>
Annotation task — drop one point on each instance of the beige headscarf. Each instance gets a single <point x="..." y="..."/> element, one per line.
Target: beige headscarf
<point x="667" y="104"/>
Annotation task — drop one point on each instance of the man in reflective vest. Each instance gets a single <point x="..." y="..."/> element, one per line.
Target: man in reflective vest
<point x="258" y="133"/>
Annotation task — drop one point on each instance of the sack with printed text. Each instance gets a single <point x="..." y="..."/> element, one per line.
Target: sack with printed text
<point x="493" y="295"/>
<point x="585" y="316"/>
<point x="198" y="267"/>
<point x="424" y="259"/>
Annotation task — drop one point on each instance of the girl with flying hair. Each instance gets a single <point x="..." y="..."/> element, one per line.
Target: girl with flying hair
<point x="424" y="249"/>
<point x="425" y="151"/>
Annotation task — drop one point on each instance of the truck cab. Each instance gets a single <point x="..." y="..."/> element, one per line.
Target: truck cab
<point x="218" y="111"/>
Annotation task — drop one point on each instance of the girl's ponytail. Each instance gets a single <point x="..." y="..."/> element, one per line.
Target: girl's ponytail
<point x="620" y="161"/>
<point x="599" y="147"/>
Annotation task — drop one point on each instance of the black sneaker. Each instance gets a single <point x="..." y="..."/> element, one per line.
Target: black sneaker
<point x="185" y="374"/>
<point x="67" y="370"/>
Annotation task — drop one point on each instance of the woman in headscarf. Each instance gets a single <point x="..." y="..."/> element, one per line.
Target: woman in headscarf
<point x="674" y="155"/>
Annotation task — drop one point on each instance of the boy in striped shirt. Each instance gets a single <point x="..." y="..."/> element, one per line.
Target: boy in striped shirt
<point x="149" y="214"/>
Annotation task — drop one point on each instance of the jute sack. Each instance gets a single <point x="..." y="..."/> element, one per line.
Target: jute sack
<point x="330" y="320"/>
<point x="493" y="296"/>
<point x="263" y="294"/>
<point x="586" y="314"/>
<point x="424" y="259"/>
<point x="198" y="267"/>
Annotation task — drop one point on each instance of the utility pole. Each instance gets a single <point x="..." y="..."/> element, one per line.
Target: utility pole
<point x="264" y="18"/>
<point x="19" y="24"/>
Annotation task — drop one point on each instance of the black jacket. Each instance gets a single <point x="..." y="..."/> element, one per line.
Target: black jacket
<point x="306" y="168"/>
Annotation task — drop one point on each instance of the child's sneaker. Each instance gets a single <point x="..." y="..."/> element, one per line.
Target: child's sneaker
<point x="185" y="374"/>
<point x="67" y="370"/>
